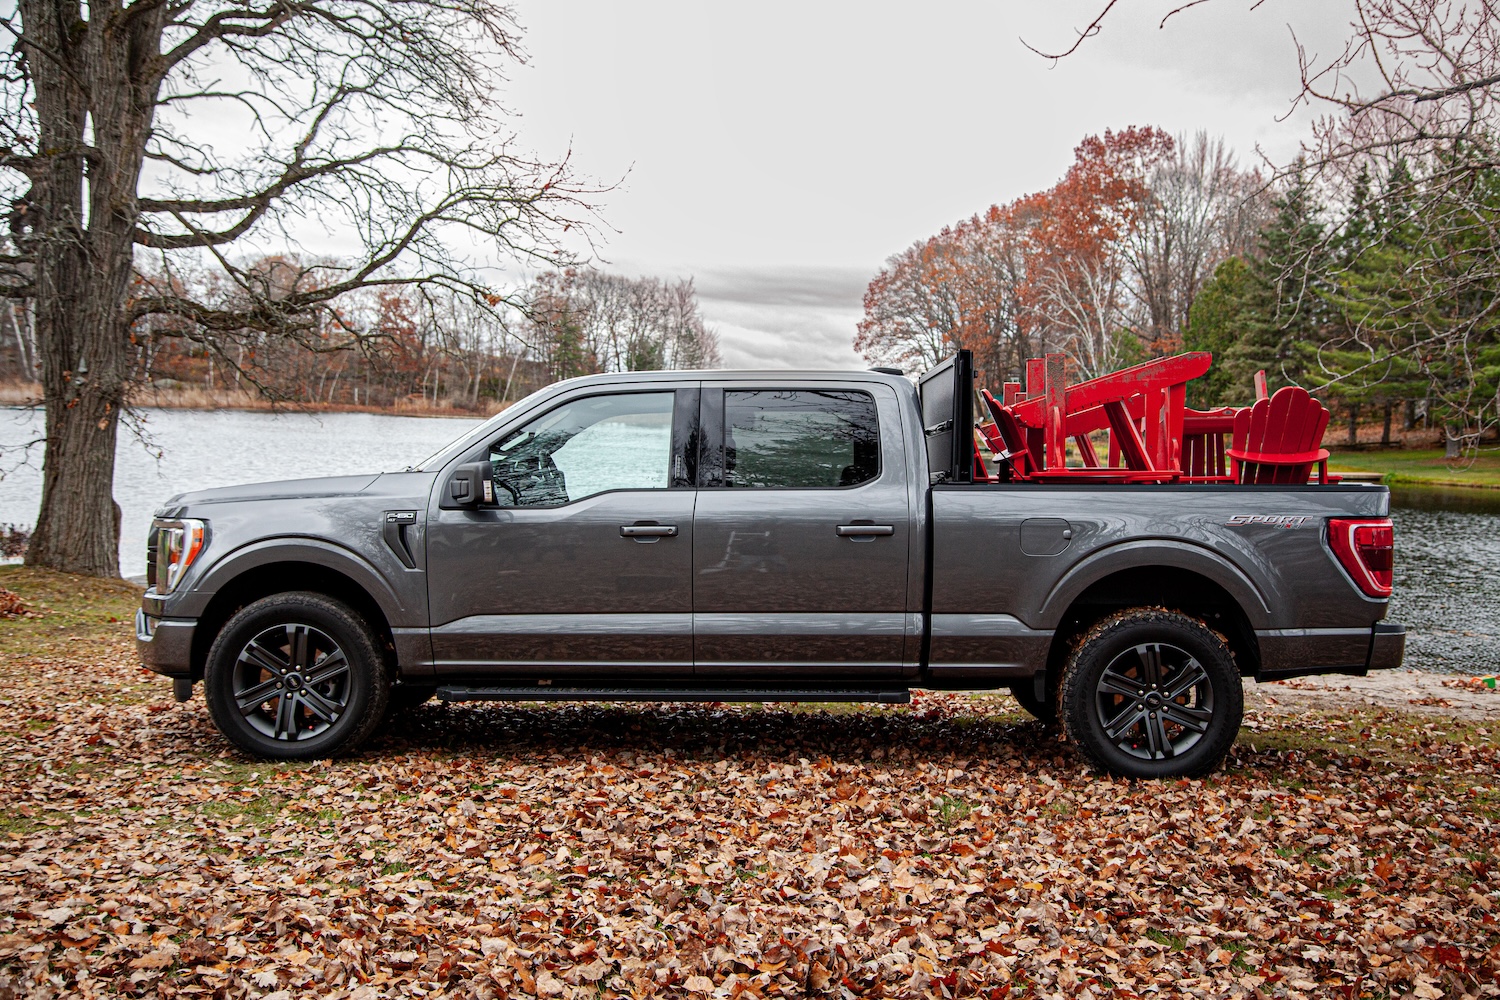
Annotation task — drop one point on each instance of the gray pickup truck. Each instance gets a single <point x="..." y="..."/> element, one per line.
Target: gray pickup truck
<point x="758" y="536"/>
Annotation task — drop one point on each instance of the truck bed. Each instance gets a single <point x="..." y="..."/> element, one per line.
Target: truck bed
<point x="1014" y="564"/>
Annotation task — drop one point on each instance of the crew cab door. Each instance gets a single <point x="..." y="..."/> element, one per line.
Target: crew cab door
<point x="582" y="564"/>
<point x="801" y="533"/>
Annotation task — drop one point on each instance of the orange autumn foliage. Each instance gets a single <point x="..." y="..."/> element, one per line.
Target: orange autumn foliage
<point x="1043" y="272"/>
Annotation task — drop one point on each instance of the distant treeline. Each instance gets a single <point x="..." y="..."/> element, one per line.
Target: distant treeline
<point x="383" y="347"/>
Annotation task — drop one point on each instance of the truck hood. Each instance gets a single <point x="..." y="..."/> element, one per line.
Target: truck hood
<point x="286" y="489"/>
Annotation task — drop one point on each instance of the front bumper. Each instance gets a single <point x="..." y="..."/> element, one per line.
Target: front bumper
<point x="1303" y="651"/>
<point x="165" y="645"/>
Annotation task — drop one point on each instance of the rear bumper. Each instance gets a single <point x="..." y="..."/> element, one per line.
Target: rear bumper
<point x="1387" y="646"/>
<point x="165" y="645"/>
<point x="1299" y="652"/>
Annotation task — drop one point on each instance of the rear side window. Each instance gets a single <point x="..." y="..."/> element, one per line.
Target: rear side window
<point x="800" y="438"/>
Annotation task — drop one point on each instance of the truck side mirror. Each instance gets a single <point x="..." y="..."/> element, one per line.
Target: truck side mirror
<point x="469" y="486"/>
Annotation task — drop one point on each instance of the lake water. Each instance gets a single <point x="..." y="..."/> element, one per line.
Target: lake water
<point x="1447" y="541"/>
<point x="200" y="449"/>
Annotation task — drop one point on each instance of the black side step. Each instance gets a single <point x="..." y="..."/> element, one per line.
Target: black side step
<point x="551" y="692"/>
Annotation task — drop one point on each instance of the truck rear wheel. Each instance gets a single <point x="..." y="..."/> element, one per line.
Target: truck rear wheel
<point x="1151" y="693"/>
<point x="296" y="676"/>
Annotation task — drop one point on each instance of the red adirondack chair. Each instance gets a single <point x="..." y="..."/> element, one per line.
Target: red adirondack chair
<point x="1006" y="441"/>
<point x="1142" y="407"/>
<point x="1278" y="439"/>
<point x="1203" y="445"/>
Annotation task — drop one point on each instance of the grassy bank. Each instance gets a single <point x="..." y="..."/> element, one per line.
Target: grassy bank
<point x="198" y="398"/>
<point x="1421" y="466"/>
<point x="950" y="848"/>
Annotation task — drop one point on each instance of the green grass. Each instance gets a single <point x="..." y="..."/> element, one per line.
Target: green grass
<point x="72" y="609"/>
<point x="257" y="810"/>
<point x="952" y="809"/>
<point x="1425" y="465"/>
<point x="1173" y="941"/>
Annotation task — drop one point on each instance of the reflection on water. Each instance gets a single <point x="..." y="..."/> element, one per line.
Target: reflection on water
<point x="206" y="448"/>
<point x="1447" y="540"/>
<point x="1447" y="586"/>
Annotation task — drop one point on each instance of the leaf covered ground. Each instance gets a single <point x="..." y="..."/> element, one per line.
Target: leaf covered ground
<point x="947" y="849"/>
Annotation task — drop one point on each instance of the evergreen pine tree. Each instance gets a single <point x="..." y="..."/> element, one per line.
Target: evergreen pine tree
<point x="1215" y="323"/>
<point x="1282" y="311"/>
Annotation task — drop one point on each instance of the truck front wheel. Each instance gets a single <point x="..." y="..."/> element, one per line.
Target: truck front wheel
<point x="296" y="676"/>
<point x="1151" y="693"/>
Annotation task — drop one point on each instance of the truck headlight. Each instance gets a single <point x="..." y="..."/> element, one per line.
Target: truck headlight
<point x="176" y="544"/>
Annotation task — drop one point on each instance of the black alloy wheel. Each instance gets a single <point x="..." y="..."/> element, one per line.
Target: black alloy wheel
<point x="1150" y="693"/>
<point x="1154" y="701"/>
<point x="291" y="682"/>
<point x="294" y="677"/>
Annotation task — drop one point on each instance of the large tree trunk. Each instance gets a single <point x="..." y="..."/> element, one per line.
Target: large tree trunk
<point x="83" y="364"/>
<point x="88" y="71"/>
<point x="1452" y="439"/>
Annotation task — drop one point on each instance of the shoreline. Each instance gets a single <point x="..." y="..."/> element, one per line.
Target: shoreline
<point x="1420" y="467"/>
<point x="247" y="403"/>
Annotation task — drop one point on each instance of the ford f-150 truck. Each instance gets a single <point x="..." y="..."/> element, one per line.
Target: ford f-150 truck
<point x="758" y="536"/>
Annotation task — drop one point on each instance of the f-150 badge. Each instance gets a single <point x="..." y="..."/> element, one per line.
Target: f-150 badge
<point x="1274" y="520"/>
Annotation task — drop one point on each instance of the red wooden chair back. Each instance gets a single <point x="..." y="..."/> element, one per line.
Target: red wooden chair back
<point x="1006" y="440"/>
<point x="1204" y="459"/>
<point x="1278" y="439"/>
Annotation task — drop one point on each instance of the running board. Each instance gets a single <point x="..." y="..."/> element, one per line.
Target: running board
<point x="550" y="692"/>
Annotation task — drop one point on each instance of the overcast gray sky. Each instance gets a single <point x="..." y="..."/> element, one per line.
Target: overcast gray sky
<point x="779" y="152"/>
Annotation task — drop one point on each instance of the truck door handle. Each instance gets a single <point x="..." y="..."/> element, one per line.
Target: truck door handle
<point x="865" y="530"/>
<point x="648" y="531"/>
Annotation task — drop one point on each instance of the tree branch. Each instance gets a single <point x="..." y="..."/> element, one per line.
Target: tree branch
<point x="1089" y="32"/>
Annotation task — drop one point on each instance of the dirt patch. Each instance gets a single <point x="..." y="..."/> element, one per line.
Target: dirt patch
<point x="1402" y="690"/>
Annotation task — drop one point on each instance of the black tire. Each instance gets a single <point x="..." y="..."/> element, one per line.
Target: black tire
<point x="322" y="684"/>
<point x="405" y="697"/>
<point x="1042" y="709"/>
<point x="1151" y="693"/>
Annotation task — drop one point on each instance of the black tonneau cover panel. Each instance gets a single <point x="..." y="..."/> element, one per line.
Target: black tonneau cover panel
<point x="947" y="393"/>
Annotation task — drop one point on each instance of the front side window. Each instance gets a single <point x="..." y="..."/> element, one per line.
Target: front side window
<point x="792" y="438"/>
<point x="588" y="446"/>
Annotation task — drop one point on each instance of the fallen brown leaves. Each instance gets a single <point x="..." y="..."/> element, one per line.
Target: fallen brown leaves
<point x="11" y="605"/>
<point x="949" y="849"/>
<point x="1479" y="685"/>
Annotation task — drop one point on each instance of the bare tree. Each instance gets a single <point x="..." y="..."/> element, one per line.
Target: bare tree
<point x="623" y="324"/>
<point x="1199" y="210"/>
<point x="372" y="117"/>
<point x="1083" y="305"/>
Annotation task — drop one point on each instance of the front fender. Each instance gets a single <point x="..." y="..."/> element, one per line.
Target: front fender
<point x="305" y="550"/>
<point x="1134" y="555"/>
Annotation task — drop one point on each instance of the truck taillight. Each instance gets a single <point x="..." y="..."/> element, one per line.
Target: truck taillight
<point x="1365" y="548"/>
